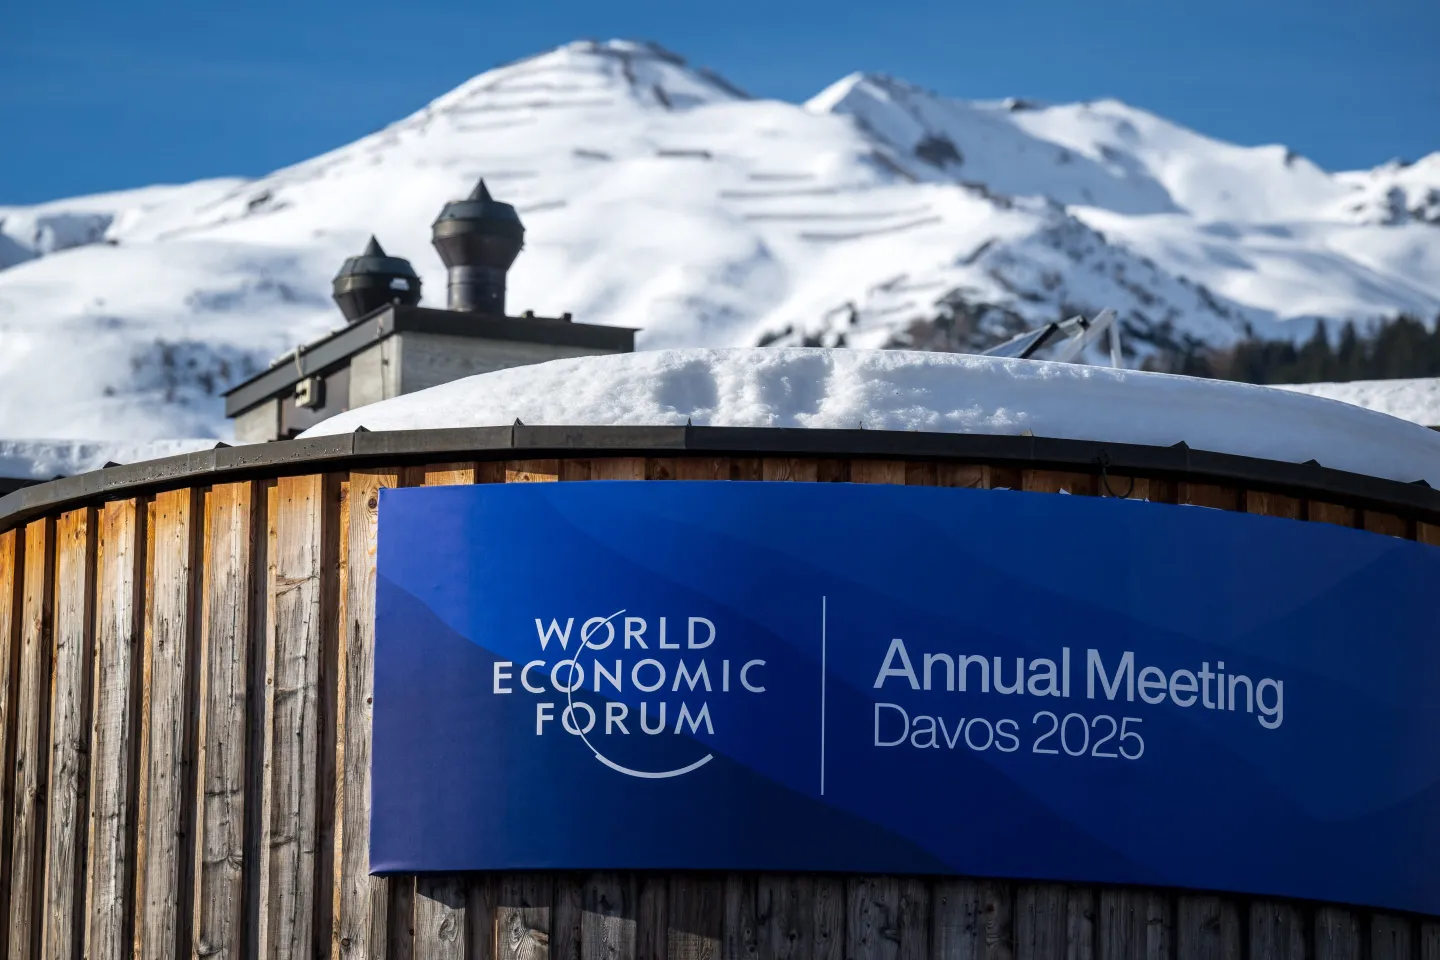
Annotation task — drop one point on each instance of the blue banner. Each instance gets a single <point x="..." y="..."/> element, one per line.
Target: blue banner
<point x="886" y="679"/>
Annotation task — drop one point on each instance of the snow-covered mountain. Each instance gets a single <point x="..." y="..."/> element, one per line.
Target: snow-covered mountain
<point x="658" y="195"/>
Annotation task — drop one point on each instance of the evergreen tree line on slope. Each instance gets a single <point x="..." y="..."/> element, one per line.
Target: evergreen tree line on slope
<point x="1399" y="349"/>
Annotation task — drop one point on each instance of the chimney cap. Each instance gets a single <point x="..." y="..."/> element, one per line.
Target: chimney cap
<point x="375" y="261"/>
<point x="482" y="213"/>
<point x="373" y="279"/>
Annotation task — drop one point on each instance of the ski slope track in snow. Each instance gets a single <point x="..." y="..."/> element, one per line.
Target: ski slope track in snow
<point x="657" y="195"/>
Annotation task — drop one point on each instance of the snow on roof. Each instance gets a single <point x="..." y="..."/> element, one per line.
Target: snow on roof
<point x="1415" y="400"/>
<point x="937" y="392"/>
<point x="48" y="459"/>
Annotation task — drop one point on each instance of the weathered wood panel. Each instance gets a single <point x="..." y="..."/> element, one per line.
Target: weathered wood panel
<point x="1080" y="926"/>
<point x="1337" y="934"/>
<point x="1207" y="928"/>
<point x="522" y="916"/>
<point x="877" y="471"/>
<point x="233" y="527"/>
<point x="568" y="920"/>
<point x="702" y="468"/>
<point x="1041" y="921"/>
<point x="1277" y="931"/>
<point x="1390" y="937"/>
<point x="973" y="920"/>
<point x="1387" y="524"/>
<point x="651" y="917"/>
<point x="12" y="599"/>
<point x="294" y="759"/>
<point x="1057" y="481"/>
<point x="740" y="931"/>
<point x="694" y="925"/>
<point x="787" y="468"/>
<point x="440" y="918"/>
<point x="532" y="471"/>
<point x="1430" y="940"/>
<point x="362" y="903"/>
<point x="114" y="750"/>
<point x="889" y="919"/>
<point x="1274" y="505"/>
<point x="480" y="917"/>
<point x="1321" y="512"/>
<point x="32" y="717"/>
<point x="617" y="468"/>
<point x="69" y="773"/>
<point x="167" y="788"/>
<point x="607" y="926"/>
<point x="1210" y="495"/>
<point x="1134" y="925"/>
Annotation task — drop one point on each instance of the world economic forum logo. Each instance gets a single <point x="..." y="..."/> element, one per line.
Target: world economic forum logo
<point x="641" y="692"/>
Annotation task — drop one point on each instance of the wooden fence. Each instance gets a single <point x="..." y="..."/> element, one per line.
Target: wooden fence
<point x="185" y="707"/>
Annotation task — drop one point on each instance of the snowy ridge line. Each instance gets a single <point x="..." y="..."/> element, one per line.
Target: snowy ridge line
<point x="1048" y="211"/>
<point x="340" y="451"/>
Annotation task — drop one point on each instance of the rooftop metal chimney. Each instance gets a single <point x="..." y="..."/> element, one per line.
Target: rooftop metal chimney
<point x="371" y="280"/>
<point x="478" y="238"/>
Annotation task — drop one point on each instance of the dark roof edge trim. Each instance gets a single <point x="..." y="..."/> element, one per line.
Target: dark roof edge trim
<point x="321" y="454"/>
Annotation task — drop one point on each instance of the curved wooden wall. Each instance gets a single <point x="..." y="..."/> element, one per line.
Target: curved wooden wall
<point x="185" y="696"/>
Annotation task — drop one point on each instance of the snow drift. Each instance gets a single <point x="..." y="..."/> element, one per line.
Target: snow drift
<point x="906" y="390"/>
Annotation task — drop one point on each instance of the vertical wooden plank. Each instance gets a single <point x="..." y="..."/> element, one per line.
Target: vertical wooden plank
<point x="1428" y="533"/>
<point x="69" y="773"/>
<point x="267" y="497"/>
<point x="1058" y="481"/>
<point x="1080" y="923"/>
<point x="694" y="915"/>
<point x="162" y="926"/>
<point x="226" y="631"/>
<point x="532" y="471"/>
<point x="119" y="633"/>
<point x="956" y="924"/>
<point x="996" y="915"/>
<point x="362" y="909"/>
<point x="522" y="916"/>
<point x="490" y="471"/>
<point x="738" y="940"/>
<point x="1274" y="505"/>
<point x="480" y="914"/>
<point x="785" y="917"/>
<point x="972" y="475"/>
<point x="1207" y="928"/>
<point x="829" y="918"/>
<point x="1390" y="937"/>
<point x="877" y="471"/>
<point x="660" y="468"/>
<point x="890" y="919"/>
<point x="294" y="729"/>
<point x="789" y="468"/>
<point x="32" y="717"/>
<point x="1041" y="921"/>
<point x="1134" y="925"/>
<point x="572" y="469"/>
<point x="1387" y="524"/>
<point x="702" y="468"/>
<point x="751" y="468"/>
<point x="1210" y="495"/>
<point x="607" y="928"/>
<point x="568" y="920"/>
<point x="617" y="468"/>
<point x="1430" y="940"/>
<point x="1321" y="512"/>
<point x="448" y="474"/>
<point x="12" y="599"/>
<point x="1277" y="930"/>
<point x="400" y="922"/>
<point x="921" y="473"/>
<point x="1337" y="934"/>
<point x="651" y="920"/>
<point x="440" y="917"/>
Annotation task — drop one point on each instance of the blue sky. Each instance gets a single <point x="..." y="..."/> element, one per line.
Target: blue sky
<point x="103" y="95"/>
